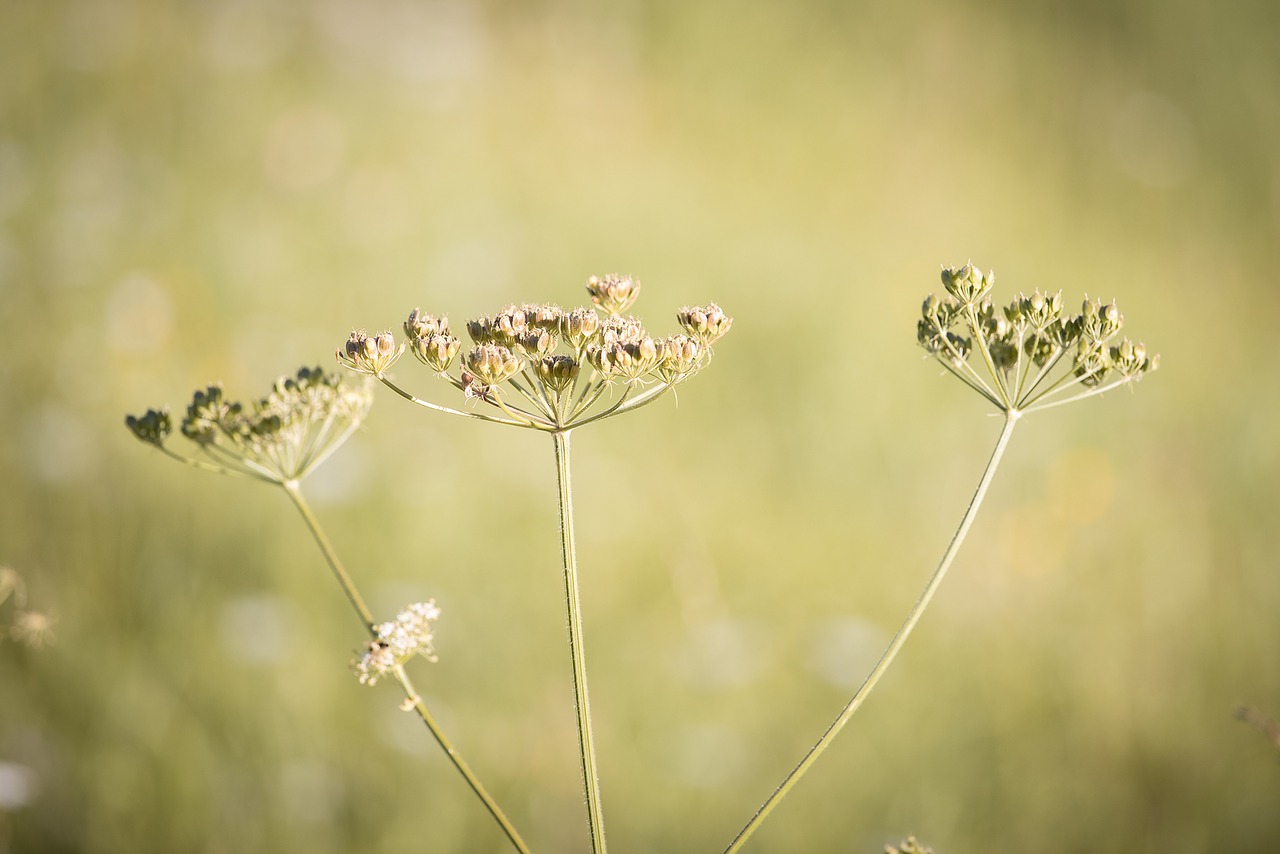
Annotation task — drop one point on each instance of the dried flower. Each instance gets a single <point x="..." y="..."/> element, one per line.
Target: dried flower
<point x="430" y="340"/>
<point x="370" y="354"/>
<point x="492" y="364"/>
<point x="613" y="293"/>
<point x="579" y="326"/>
<point x="395" y="642"/>
<point x="706" y="323"/>
<point x="556" y="369"/>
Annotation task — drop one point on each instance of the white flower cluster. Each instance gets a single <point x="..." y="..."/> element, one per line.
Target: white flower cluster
<point x="409" y="634"/>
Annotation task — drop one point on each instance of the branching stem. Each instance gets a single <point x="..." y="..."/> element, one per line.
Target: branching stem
<point x="413" y="700"/>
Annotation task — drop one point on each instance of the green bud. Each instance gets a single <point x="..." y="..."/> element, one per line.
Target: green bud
<point x="967" y="283"/>
<point x="153" y="428"/>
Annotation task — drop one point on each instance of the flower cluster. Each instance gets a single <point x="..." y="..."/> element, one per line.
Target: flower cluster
<point x="1033" y="353"/>
<point x="279" y="438"/>
<point x="560" y="363"/>
<point x="396" y="642"/>
<point x="908" y="846"/>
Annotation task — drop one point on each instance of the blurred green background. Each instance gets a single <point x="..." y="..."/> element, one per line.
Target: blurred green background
<point x="222" y="190"/>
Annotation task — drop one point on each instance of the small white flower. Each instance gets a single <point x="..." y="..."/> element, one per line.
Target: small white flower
<point x="409" y="634"/>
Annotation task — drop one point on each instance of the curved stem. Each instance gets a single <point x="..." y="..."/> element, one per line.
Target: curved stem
<point x="1011" y="418"/>
<point x="586" y="743"/>
<point x="412" y="700"/>
<point x="445" y="409"/>
<point x="348" y="586"/>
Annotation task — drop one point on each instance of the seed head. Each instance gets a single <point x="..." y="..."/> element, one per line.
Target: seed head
<point x="281" y="437"/>
<point x="557" y="372"/>
<point x="617" y="329"/>
<point x="578" y="327"/>
<point x="967" y="284"/>
<point x="678" y="355"/>
<point x="706" y="323"/>
<point x="370" y="354"/>
<point x="430" y="340"/>
<point x="1031" y="354"/>
<point x="613" y="293"/>
<point x="491" y="364"/>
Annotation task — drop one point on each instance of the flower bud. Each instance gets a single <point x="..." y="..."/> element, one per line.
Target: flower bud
<point x="967" y="283"/>
<point x="1100" y="322"/>
<point x="153" y="427"/>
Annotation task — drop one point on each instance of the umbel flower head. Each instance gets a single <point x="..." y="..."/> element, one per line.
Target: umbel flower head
<point x="394" y="643"/>
<point x="1030" y="354"/>
<point x="280" y="438"/>
<point x="546" y="368"/>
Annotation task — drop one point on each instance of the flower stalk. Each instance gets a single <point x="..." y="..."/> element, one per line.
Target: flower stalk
<point x="891" y="652"/>
<point x="577" y="655"/>
<point x="541" y="367"/>
<point x="1030" y="357"/>
<point x="279" y="440"/>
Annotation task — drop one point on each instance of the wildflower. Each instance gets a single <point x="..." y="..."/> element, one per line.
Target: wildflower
<point x="395" y="642"/>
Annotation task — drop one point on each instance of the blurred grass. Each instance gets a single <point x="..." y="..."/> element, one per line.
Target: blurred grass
<point x="199" y="191"/>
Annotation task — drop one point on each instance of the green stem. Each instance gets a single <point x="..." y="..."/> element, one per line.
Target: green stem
<point x="357" y="602"/>
<point x="348" y="586"/>
<point x="1011" y="418"/>
<point x="586" y="743"/>
<point x="412" y="699"/>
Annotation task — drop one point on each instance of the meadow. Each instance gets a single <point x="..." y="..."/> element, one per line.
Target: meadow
<point x="199" y="192"/>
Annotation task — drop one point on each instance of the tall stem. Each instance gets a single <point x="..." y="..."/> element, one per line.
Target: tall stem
<point x="413" y="700"/>
<point x="1011" y="418"/>
<point x="348" y="586"/>
<point x="590" y="779"/>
